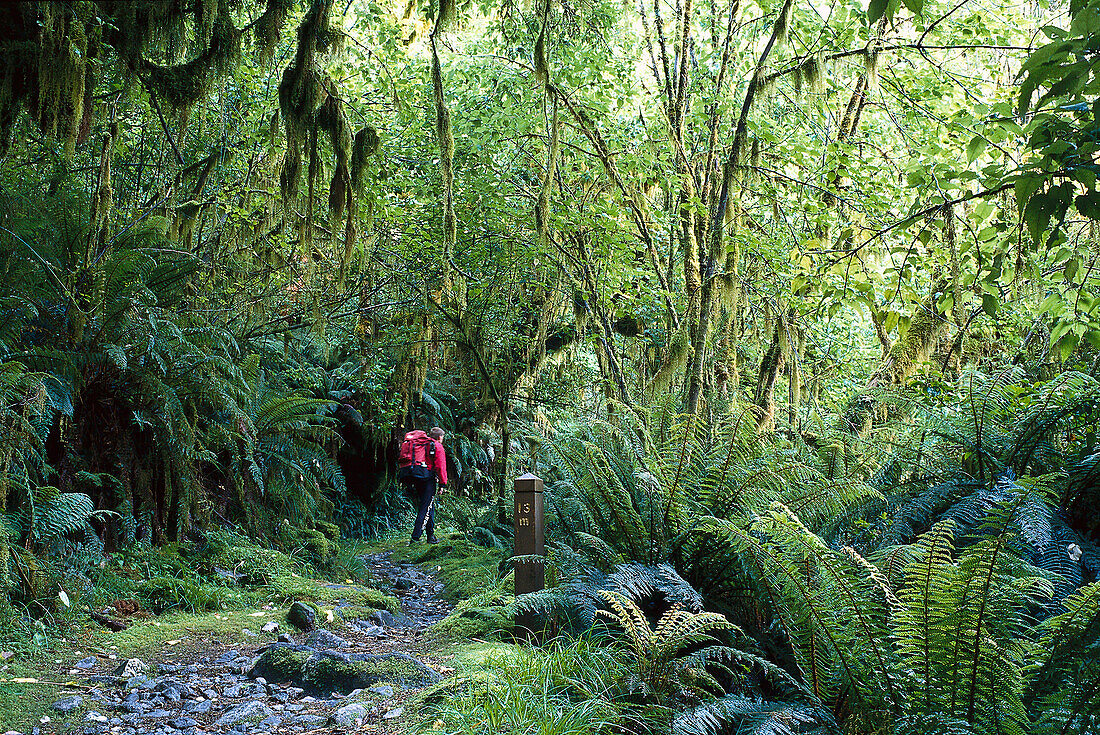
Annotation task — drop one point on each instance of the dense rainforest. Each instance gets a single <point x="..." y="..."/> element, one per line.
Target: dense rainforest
<point x="793" y="306"/>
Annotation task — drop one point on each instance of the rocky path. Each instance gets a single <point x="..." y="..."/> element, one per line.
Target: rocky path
<point x="345" y="677"/>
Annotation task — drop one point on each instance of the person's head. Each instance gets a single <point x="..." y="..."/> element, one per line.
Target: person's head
<point x="436" y="433"/>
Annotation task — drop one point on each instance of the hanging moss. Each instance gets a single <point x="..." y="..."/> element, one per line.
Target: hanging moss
<point x="445" y="137"/>
<point x="51" y="54"/>
<point x="182" y="85"/>
<point x="363" y="148"/>
<point x="783" y="23"/>
<point x="811" y="73"/>
<point x="870" y="65"/>
<point x="268" y="27"/>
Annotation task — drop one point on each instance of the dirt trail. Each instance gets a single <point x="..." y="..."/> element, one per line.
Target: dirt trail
<point x="214" y="688"/>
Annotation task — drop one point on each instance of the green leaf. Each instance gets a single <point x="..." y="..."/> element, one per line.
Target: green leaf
<point x="914" y="6"/>
<point x="1054" y="299"/>
<point x="875" y="10"/>
<point x="1088" y="204"/>
<point x="990" y="304"/>
<point x="1070" y="269"/>
<point x="1067" y="345"/>
<point x="975" y="148"/>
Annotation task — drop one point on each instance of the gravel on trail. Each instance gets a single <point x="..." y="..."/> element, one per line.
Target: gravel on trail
<point x="211" y="691"/>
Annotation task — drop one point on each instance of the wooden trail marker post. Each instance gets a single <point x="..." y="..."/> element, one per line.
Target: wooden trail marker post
<point x="530" y="575"/>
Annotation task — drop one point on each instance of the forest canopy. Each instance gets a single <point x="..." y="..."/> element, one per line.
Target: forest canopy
<point x="844" y="253"/>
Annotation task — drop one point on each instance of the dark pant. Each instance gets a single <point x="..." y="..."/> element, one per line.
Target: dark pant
<point x="423" y="485"/>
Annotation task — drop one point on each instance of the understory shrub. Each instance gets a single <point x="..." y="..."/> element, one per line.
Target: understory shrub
<point x="166" y="593"/>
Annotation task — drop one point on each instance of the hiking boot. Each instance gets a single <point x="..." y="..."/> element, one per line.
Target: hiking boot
<point x="433" y="540"/>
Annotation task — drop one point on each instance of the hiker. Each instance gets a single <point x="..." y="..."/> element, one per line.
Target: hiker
<point x="422" y="463"/>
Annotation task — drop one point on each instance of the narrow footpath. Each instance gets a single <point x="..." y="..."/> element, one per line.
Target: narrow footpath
<point x="341" y="676"/>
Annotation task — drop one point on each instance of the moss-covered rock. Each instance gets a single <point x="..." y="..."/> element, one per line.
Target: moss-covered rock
<point x="324" y="672"/>
<point x="331" y="530"/>
<point x="302" y="615"/>
<point x="332" y="672"/>
<point x="280" y="663"/>
<point x="312" y="545"/>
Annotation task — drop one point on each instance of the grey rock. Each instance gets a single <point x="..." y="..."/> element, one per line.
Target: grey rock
<point x="295" y="692"/>
<point x="324" y="639"/>
<point x="384" y="690"/>
<point x="86" y="663"/>
<point x="141" y="681"/>
<point x="228" y="575"/>
<point x="302" y="616"/>
<point x="285" y="638"/>
<point x="198" y="707"/>
<point x="238" y="691"/>
<point x="393" y="713"/>
<point x="182" y="723"/>
<point x="309" y="720"/>
<point x="270" y="627"/>
<point x="251" y="710"/>
<point x="404" y="583"/>
<point x="96" y="717"/>
<point x="67" y="704"/>
<point x="249" y="632"/>
<point x="130" y="667"/>
<point x="157" y="714"/>
<point x="386" y="619"/>
<point x="350" y="715"/>
<point x="172" y="694"/>
<point x="294" y="707"/>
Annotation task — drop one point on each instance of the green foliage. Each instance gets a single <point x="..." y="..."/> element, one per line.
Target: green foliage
<point x="465" y="568"/>
<point x="485" y="615"/>
<point x="958" y="465"/>
<point x="575" y="603"/>
<point x="575" y="682"/>
<point x="167" y="593"/>
<point x="659" y="668"/>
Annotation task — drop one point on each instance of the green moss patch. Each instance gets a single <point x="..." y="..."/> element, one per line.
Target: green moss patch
<point x="280" y="663"/>
<point x="464" y="567"/>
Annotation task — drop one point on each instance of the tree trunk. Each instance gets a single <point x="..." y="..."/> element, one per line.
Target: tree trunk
<point x="775" y="359"/>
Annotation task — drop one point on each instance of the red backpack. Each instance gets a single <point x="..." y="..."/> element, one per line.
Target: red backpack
<point x="415" y="449"/>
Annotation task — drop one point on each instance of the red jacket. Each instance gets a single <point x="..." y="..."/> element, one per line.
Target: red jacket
<point x="438" y="462"/>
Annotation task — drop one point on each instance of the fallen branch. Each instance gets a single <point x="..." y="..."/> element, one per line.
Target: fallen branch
<point x="108" y="623"/>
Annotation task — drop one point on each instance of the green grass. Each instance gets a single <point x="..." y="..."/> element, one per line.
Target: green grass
<point x="565" y="688"/>
<point x="464" y="567"/>
<point x="23" y="704"/>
